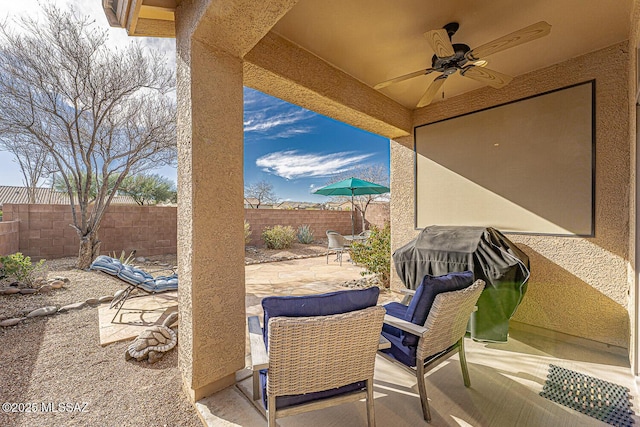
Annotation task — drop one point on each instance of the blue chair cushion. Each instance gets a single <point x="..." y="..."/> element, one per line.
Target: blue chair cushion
<point x="161" y="284"/>
<point x="314" y="305"/>
<point x="398" y="310"/>
<point x="134" y="275"/>
<point x="431" y="286"/>
<point x="285" y="401"/>
<point x="317" y="305"/>
<point x="399" y="351"/>
<point x="107" y="265"/>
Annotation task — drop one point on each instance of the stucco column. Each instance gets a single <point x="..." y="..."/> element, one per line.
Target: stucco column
<point x="210" y="217"/>
<point x="402" y="205"/>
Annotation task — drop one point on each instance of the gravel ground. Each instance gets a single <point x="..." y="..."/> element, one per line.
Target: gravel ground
<point x="57" y="359"/>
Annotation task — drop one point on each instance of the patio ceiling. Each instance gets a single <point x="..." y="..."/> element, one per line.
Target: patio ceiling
<point x="375" y="40"/>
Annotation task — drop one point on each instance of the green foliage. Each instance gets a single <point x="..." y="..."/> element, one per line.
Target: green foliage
<point x="279" y="237"/>
<point x="374" y="254"/>
<point x="148" y="189"/>
<point x="247" y="232"/>
<point x="20" y="266"/>
<point x="305" y="235"/>
<point x="124" y="258"/>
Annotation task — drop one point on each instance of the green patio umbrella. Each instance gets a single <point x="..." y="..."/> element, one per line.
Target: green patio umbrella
<point x="352" y="187"/>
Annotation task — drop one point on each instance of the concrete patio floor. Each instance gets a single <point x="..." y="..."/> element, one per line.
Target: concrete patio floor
<point x="506" y="379"/>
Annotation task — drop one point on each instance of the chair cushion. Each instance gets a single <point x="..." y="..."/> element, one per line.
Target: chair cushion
<point x="106" y="264"/>
<point x="285" y="401"/>
<point x="431" y="286"/>
<point x="314" y="305"/>
<point x="402" y="353"/>
<point x="161" y="284"/>
<point x="133" y="275"/>
<point x="317" y="305"/>
<point x="398" y="310"/>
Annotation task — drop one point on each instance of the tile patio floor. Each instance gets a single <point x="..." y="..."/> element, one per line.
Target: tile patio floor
<point x="505" y="378"/>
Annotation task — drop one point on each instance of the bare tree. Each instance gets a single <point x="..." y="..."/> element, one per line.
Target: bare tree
<point x="258" y="193"/>
<point x="33" y="160"/>
<point x="98" y="113"/>
<point x="376" y="173"/>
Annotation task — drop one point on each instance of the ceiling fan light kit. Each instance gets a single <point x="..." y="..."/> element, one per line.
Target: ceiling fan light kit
<point x="450" y="58"/>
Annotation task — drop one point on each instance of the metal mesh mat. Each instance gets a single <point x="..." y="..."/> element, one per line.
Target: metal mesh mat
<point x="596" y="398"/>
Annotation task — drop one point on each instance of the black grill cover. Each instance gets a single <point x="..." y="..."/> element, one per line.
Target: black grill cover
<point x="488" y="253"/>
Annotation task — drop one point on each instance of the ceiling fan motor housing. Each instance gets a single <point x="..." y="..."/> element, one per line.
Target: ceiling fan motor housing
<point x="455" y="62"/>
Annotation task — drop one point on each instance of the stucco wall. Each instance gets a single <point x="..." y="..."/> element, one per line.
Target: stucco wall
<point x="578" y="286"/>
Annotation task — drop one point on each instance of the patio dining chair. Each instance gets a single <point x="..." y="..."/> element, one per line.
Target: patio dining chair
<point x="315" y="351"/>
<point x="135" y="278"/>
<point x="432" y="327"/>
<point x="336" y="242"/>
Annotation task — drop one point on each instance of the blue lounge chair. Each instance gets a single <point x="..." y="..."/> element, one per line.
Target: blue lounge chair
<point x="135" y="278"/>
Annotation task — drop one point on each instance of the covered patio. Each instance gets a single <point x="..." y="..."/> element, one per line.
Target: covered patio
<point x="327" y="56"/>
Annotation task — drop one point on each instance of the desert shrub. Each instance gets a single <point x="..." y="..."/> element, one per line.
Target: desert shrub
<point x="305" y="235"/>
<point x="278" y="237"/>
<point x="247" y="232"/>
<point x="124" y="258"/>
<point x="374" y="254"/>
<point x="21" y="268"/>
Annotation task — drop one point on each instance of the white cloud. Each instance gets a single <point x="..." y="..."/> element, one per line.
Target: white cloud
<point x="272" y="118"/>
<point x="293" y="164"/>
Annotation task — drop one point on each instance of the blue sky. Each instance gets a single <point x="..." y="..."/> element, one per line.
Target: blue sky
<point x="294" y="149"/>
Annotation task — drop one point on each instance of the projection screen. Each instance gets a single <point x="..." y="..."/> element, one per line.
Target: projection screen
<point x="523" y="167"/>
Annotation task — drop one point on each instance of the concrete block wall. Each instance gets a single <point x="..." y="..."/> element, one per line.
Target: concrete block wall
<point x="9" y="237"/>
<point x="377" y="214"/>
<point x="45" y="231"/>
<point x="318" y="220"/>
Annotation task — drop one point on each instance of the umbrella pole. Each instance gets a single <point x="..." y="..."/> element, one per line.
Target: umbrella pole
<point x="352" y="209"/>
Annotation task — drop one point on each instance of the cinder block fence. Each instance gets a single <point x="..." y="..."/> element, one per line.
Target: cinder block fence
<point x="43" y="231"/>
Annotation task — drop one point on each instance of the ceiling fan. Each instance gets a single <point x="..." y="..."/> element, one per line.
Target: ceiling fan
<point x="450" y="58"/>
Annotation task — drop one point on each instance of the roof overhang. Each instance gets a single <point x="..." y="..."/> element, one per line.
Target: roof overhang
<point x="149" y="18"/>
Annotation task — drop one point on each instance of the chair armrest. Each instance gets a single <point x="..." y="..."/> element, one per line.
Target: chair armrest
<point x="404" y="325"/>
<point x="259" y="356"/>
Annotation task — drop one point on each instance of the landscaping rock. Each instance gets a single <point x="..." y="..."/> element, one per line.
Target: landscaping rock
<point x="75" y="306"/>
<point x="141" y="259"/>
<point x="92" y="301"/>
<point x="28" y="291"/>
<point x="10" y="290"/>
<point x="45" y="289"/>
<point x="43" y="311"/>
<point x="57" y="284"/>
<point x="106" y="298"/>
<point x="11" y="322"/>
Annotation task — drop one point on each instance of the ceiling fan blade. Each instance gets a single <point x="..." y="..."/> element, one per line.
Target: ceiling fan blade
<point x="487" y="76"/>
<point x="524" y="35"/>
<point x="403" y="78"/>
<point x="440" y="43"/>
<point x="433" y="88"/>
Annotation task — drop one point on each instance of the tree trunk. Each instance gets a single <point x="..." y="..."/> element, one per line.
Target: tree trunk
<point x="89" y="250"/>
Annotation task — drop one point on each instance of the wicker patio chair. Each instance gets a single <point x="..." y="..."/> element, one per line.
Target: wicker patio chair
<point x="419" y="345"/>
<point x="304" y="363"/>
<point x="336" y="242"/>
